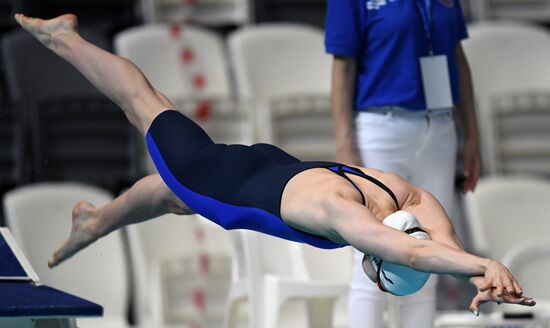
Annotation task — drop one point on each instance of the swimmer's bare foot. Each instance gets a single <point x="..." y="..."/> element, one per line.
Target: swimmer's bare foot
<point x="83" y="233"/>
<point x="50" y="32"/>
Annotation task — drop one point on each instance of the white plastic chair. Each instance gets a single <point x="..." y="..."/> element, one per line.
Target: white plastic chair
<point x="164" y="237"/>
<point x="339" y="270"/>
<point x="273" y="272"/>
<point x="166" y="260"/>
<point x="505" y="211"/>
<point x="40" y="219"/>
<point x="529" y="261"/>
<point x="535" y="10"/>
<point x="282" y="69"/>
<point x="206" y="12"/>
<point x="505" y="58"/>
<point x="508" y="56"/>
<point x="158" y="50"/>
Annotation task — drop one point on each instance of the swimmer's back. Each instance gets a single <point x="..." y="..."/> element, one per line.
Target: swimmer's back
<point x="236" y="186"/>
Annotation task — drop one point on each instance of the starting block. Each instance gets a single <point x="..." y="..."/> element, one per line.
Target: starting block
<point x="27" y="303"/>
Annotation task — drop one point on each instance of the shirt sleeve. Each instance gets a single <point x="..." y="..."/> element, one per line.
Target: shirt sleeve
<point x="342" y="28"/>
<point x="462" y="30"/>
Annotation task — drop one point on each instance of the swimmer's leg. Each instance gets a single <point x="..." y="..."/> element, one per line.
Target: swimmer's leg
<point x="146" y="199"/>
<point x="116" y="77"/>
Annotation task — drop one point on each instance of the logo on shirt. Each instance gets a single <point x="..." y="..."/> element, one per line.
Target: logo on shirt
<point x="377" y="4"/>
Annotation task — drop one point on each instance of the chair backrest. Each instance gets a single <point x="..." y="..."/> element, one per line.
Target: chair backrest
<point x="329" y="264"/>
<point x="270" y="256"/>
<point x="213" y="13"/>
<point x="6" y="16"/>
<point x="508" y="56"/>
<point x="76" y="133"/>
<point x="505" y="58"/>
<point x="279" y="60"/>
<point x="87" y="140"/>
<point x="527" y="261"/>
<point x="312" y="13"/>
<point x="171" y="241"/>
<point x="40" y="219"/>
<point x="105" y="14"/>
<point x="151" y="242"/>
<point x="519" y="133"/>
<point x="10" y="169"/>
<point x="504" y="211"/>
<point x="536" y="10"/>
<point x="301" y="125"/>
<point x="283" y="70"/>
<point x="34" y="73"/>
<point x="171" y="55"/>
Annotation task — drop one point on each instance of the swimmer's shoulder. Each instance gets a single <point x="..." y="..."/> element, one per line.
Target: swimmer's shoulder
<point x="403" y="190"/>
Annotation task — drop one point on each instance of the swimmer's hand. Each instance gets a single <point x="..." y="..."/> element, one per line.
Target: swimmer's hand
<point x="491" y="295"/>
<point x="498" y="277"/>
<point x="83" y="233"/>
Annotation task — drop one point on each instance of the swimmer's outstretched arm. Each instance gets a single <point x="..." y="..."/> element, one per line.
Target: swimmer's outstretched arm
<point x="146" y="199"/>
<point x="424" y="205"/>
<point x="357" y="225"/>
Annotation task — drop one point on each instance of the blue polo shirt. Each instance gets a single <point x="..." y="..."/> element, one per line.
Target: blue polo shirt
<point x="387" y="38"/>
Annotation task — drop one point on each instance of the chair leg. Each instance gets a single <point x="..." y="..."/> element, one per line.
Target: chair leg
<point x="231" y="317"/>
<point x="392" y="313"/>
<point x="320" y="312"/>
<point x="272" y="303"/>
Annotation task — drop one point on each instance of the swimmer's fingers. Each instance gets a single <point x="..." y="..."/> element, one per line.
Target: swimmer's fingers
<point x="483" y="284"/>
<point x="527" y="301"/>
<point x="498" y="286"/>
<point x="518" y="288"/>
<point x="510" y="284"/>
<point x="476" y="303"/>
<point x="499" y="277"/>
<point x="491" y="296"/>
<point x="510" y="287"/>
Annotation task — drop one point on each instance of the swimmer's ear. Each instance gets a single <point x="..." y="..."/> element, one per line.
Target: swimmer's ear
<point x="369" y="269"/>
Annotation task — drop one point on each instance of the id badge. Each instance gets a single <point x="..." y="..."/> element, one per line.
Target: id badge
<point x="436" y="82"/>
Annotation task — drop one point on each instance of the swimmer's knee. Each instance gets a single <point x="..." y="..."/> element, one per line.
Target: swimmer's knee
<point x="176" y="206"/>
<point x="173" y="204"/>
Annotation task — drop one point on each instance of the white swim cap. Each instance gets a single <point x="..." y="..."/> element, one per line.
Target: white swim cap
<point x="395" y="278"/>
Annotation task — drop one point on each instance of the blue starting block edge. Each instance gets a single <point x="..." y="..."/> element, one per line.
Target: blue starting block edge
<point x="13" y="263"/>
<point x="24" y="299"/>
<point x="22" y="294"/>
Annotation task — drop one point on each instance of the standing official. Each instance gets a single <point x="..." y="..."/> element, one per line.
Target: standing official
<point x="399" y="78"/>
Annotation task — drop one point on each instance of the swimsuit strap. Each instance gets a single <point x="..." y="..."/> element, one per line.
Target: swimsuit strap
<point x="341" y="170"/>
<point x="341" y="173"/>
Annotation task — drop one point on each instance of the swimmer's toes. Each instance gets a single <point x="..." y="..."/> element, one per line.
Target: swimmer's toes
<point x="36" y="26"/>
<point x="65" y="251"/>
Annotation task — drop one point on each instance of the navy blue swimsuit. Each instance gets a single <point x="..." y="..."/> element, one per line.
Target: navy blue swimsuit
<point x="235" y="186"/>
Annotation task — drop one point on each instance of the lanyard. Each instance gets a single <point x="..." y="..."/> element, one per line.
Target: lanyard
<point x="424" y="10"/>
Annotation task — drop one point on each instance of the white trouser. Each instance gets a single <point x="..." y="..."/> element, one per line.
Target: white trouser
<point x="420" y="147"/>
